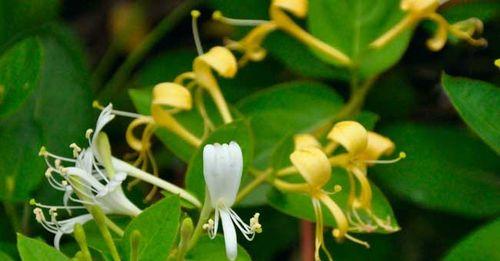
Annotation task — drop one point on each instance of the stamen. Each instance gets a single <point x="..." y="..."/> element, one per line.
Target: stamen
<point x="255" y="226"/>
<point x="99" y="106"/>
<point x="336" y="189"/>
<point x="194" y="24"/>
<point x="88" y="133"/>
<point x="76" y="149"/>
<point x="43" y="151"/>
<point x="209" y="227"/>
<point x="217" y="16"/>
<point x="401" y="156"/>
<point x="355" y="240"/>
<point x="38" y="215"/>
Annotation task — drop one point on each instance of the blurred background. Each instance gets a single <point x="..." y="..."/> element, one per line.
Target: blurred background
<point x="435" y="209"/>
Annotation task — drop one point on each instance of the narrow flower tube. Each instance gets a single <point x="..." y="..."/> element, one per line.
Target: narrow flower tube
<point x="222" y="169"/>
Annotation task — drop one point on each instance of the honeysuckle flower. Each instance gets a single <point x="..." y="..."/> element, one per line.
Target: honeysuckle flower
<point x="364" y="148"/>
<point x="418" y="10"/>
<point x="222" y="169"/>
<point x="251" y="45"/>
<point x="85" y="183"/>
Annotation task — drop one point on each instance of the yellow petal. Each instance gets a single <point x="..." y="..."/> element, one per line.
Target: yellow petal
<point x="378" y="145"/>
<point x="440" y="37"/>
<point x="420" y="6"/>
<point x="305" y="140"/>
<point x="351" y="135"/>
<point x="313" y="165"/>
<point x="134" y="142"/>
<point x="296" y="7"/>
<point x="251" y="44"/>
<point x="172" y="95"/>
<point x="219" y="59"/>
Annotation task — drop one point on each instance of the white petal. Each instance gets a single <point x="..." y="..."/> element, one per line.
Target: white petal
<point x="222" y="165"/>
<point x="229" y="235"/>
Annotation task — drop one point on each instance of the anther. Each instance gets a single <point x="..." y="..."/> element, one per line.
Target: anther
<point x="38" y="215"/>
<point x="43" y="151"/>
<point x="76" y="149"/>
<point x="255" y="226"/>
<point x="97" y="105"/>
<point x="48" y="173"/>
<point x="88" y="133"/>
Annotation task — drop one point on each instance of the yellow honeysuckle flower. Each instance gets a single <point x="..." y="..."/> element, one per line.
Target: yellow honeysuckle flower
<point x="313" y="165"/>
<point x="364" y="148"/>
<point x="251" y="45"/>
<point x="418" y="10"/>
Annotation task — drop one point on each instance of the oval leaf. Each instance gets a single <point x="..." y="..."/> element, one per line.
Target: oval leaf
<point x="446" y="169"/>
<point x="351" y="26"/>
<point x="478" y="103"/>
<point x="158" y="226"/>
<point x="33" y="249"/>
<point x="481" y="244"/>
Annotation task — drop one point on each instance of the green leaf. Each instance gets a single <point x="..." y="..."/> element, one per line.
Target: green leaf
<point x="237" y="131"/>
<point x="484" y="10"/>
<point x="33" y="249"/>
<point x="300" y="205"/>
<point x="207" y="249"/>
<point x="480" y="245"/>
<point x="5" y="257"/>
<point x="158" y="226"/>
<point x="299" y="59"/>
<point x="21" y="69"/>
<point x="446" y="169"/>
<point x="19" y="17"/>
<point x="351" y="26"/>
<point x="478" y="103"/>
<point x="287" y="108"/>
<point x="55" y="114"/>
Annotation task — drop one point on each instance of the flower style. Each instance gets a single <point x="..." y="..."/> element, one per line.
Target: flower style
<point x="222" y="169"/>
<point x="364" y="148"/>
<point x="251" y="45"/>
<point x="418" y="10"/>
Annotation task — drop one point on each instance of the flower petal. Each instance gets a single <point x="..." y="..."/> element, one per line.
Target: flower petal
<point x="219" y="59"/>
<point x="305" y="140"/>
<point x="173" y="95"/>
<point x="229" y="235"/>
<point x="296" y="7"/>
<point x="351" y="135"/>
<point x="313" y="165"/>
<point x="377" y="146"/>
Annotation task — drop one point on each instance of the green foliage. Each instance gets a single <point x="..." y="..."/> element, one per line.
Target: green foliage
<point x="351" y="26"/>
<point x="285" y="109"/>
<point x="28" y="128"/>
<point x="33" y="249"/>
<point x="446" y="169"/>
<point x="238" y="131"/>
<point x="4" y="256"/>
<point x="481" y="244"/>
<point x="478" y="103"/>
<point x="213" y="250"/>
<point x="158" y="227"/>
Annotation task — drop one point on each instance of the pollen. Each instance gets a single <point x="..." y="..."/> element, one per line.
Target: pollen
<point x="43" y="151"/>
<point x="88" y="133"/>
<point x="255" y="226"/>
<point x="209" y="225"/>
<point x="76" y="149"/>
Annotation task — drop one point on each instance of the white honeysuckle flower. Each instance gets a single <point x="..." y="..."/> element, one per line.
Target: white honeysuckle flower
<point x="222" y="169"/>
<point x="85" y="182"/>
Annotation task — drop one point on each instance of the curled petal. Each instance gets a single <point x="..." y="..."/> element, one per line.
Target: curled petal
<point x="305" y="140"/>
<point x="440" y="37"/>
<point x="219" y="59"/>
<point x="172" y="95"/>
<point x="420" y="6"/>
<point x="351" y="135"/>
<point x="378" y="145"/>
<point x="229" y="235"/>
<point x="313" y="165"/>
<point x="251" y="44"/>
<point x="134" y="142"/>
<point x="296" y="7"/>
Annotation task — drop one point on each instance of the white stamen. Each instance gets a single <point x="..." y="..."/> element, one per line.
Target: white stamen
<point x="217" y="15"/>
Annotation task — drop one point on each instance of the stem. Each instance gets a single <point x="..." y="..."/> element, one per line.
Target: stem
<point x="151" y="179"/>
<point x="252" y="185"/>
<point x="352" y="107"/>
<point x="81" y="239"/>
<point x="204" y="215"/>
<point x="135" y="239"/>
<point x="104" y="65"/>
<point x="100" y="220"/>
<point x="114" y="227"/>
<point x="164" y="26"/>
<point x="11" y="212"/>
